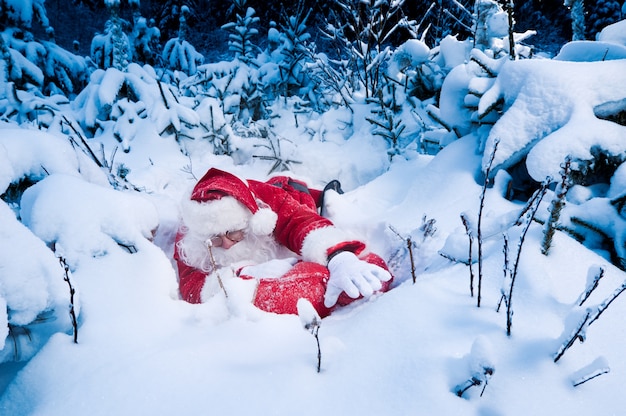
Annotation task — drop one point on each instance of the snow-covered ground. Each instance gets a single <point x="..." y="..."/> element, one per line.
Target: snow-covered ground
<point x="141" y="350"/>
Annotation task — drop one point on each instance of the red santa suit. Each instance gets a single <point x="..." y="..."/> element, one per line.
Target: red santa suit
<point x="286" y="209"/>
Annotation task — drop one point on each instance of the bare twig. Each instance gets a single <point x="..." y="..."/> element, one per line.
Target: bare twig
<point x="72" y="293"/>
<point x="217" y="274"/>
<point x="577" y="334"/>
<point x="590" y="376"/>
<point x="592" y="286"/>
<point x="509" y="301"/>
<point x="409" y="247"/>
<point x="480" y="219"/>
<point x="470" y="235"/>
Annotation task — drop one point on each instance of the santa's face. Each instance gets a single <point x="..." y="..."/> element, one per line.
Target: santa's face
<point x="253" y="248"/>
<point x="227" y="239"/>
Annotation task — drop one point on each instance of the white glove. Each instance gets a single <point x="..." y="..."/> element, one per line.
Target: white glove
<point x="270" y="269"/>
<point x="354" y="276"/>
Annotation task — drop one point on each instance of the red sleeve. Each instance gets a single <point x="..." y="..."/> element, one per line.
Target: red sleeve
<point x="295" y="218"/>
<point x="190" y="279"/>
<point x="298" y="190"/>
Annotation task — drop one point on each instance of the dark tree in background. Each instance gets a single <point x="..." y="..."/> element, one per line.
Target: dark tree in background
<point x="433" y="19"/>
<point x="599" y="14"/>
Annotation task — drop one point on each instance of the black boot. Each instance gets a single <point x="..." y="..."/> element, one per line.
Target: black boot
<point x="335" y="185"/>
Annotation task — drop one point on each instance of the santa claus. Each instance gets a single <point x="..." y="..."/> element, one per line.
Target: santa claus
<point x="270" y="233"/>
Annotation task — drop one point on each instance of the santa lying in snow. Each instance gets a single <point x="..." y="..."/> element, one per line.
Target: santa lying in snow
<point x="270" y="232"/>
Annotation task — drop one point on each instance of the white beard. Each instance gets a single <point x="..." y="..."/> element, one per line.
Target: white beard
<point x="251" y="250"/>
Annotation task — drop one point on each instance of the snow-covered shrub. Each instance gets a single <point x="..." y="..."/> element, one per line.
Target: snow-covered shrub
<point x="145" y="41"/>
<point x="602" y="14"/>
<point x="43" y="64"/>
<point x="111" y="49"/>
<point x="78" y="218"/>
<point x="242" y="31"/>
<point x="411" y="66"/>
<point x="31" y="107"/>
<point x="34" y="299"/>
<point x="178" y="53"/>
<point x="547" y="134"/>
<point x="234" y="84"/>
<point x="361" y="32"/>
<point x="117" y="100"/>
<point x="22" y="13"/>
<point x="295" y="51"/>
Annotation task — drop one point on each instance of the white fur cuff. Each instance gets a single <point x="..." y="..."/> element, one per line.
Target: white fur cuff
<point x="317" y="242"/>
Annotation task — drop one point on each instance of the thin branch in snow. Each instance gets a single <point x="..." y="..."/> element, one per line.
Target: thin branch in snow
<point x="72" y="293"/>
<point x="409" y="247"/>
<point x="539" y="194"/>
<point x="579" y="333"/>
<point x="474" y="381"/>
<point x="604" y="305"/>
<point x="85" y="146"/>
<point x="590" y="376"/>
<point x="505" y="269"/>
<point x="590" y="317"/>
<point x="311" y="321"/>
<point x="592" y="283"/>
<point x="470" y="235"/>
<point x="480" y="219"/>
<point x="217" y="274"/>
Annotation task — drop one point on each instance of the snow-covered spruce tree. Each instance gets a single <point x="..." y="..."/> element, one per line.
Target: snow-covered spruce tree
<point x="295" y="51"/>
<point x="124" y="102"/>
<point x="241" y="32"/>
<point x="145" y="39"/>
<point x="361" y="31"/>
<point x="112" y="48"/>
<point x="37" y="63"/>
<point x="178" y="53"/>
<point x="577" y="8"/>
<point x="601" y="14"/>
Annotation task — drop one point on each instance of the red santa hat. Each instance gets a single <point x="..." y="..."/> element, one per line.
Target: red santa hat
<point x="222" y="202"/>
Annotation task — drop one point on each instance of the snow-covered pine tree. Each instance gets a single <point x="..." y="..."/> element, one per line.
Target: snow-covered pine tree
<point x="295" y="51"/>
<point x="241" y="32"/>
<point x="178" y="53"/>
<point x="145" y="39"/>
<point x="577" y="10"/>
<point x="112" y="48"/>
<point x="601" y="14"/>
<point x="361" y="31"/>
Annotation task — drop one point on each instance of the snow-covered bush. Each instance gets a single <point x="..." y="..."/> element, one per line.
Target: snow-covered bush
<point x="118" y="100"/>
<point x="111" y="49"/>
<point x="178" y="53"/>
<point x="362" y="31"/>
<point x="283" y="65"/>
<point x="34" y="299"/>
<point x="145" y="39"/>
<point x="41" y="64"/>
<point x="242" y="31"/>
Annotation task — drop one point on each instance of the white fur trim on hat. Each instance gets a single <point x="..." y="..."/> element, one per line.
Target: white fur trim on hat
<point x="263" y="222"/>
<point x="216" y="216"/>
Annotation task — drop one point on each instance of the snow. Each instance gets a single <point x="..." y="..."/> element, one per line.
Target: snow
<point x="552" y="112"/>
<point x="142" y="350"/>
